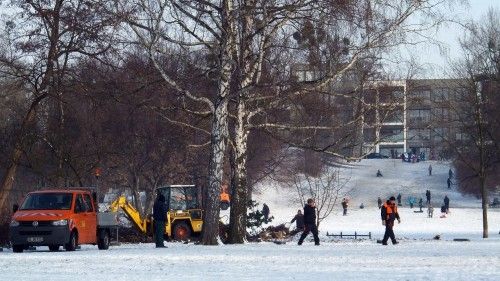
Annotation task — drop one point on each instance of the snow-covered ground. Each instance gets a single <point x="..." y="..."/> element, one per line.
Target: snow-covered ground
<point x="417" y="257"/>
<point x="348" y="260"/>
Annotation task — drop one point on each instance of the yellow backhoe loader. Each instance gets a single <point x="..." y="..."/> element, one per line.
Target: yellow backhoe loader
<point x="184" y="217"/>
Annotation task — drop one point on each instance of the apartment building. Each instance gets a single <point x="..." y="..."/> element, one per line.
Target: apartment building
<point x="418" y="119"/>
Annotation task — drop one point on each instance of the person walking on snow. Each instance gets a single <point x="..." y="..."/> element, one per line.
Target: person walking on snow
<point x="389" y="213"/>
<point x="379" y="202"/>
<point x="430" y="211"/>
<point x="345" y="204"/>
<point x="446" y="203"/>
<point x="159" y="214"/>
<point x="310" y="222"/>
<point x="430" y="170"/>
<point x="448" y="182"/>
<point x="428" y="196"/>
<point x="399" y="199"/>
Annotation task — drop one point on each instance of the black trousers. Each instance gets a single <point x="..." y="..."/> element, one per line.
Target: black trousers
<point x="389" y="233"/>
<point x="159" y="232"/>
<point x="310" y="228"/>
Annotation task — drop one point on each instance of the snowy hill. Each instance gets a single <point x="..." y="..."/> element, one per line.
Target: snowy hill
<point x="409" y="179"/>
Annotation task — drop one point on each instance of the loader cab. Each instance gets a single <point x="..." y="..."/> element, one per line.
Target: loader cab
<point x="180" y="197"/>
<point x="184" y="216"/>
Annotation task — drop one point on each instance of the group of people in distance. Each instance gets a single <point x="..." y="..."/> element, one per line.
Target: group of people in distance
<point x="388" y="211"/>
<point x="307" y="222"/>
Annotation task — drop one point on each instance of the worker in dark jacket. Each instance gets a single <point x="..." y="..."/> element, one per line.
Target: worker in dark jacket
<point x="265" y="212"/>
<point x="310" y="222"/>
<point x="299" y="220"/>
<point x="447" y="203"/>
<point x="159" y="214"/>
<point x="389" y="214"/>
<point x="299" y="223"/>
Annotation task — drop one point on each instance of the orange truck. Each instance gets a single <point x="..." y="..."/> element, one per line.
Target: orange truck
<point x="60" y="217"/>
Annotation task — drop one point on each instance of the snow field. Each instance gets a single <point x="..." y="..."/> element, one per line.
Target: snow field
<point x="348" y="260"/>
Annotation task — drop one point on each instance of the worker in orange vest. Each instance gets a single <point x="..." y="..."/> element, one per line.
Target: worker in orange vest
<point x="389" y="213"/>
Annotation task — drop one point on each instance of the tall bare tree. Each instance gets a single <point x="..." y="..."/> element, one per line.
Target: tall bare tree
<point x="474" y="109"/>
<point x="44" y="37"/>
<point x="331" y="39"/>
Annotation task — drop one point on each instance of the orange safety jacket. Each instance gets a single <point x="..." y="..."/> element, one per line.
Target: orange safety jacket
<point x="389" y="212"/>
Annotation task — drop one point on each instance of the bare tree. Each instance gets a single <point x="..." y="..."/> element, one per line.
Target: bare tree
<point x="331" y="39"/>
<point x="474" y="108"/>
<point x="324" y="189"/>
<point x="44" y="37"/>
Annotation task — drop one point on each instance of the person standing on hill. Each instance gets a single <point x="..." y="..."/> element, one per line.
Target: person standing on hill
<point x="430" y="170"/>
<point x="379" y="202"/>
<point x="430" y="211"/>
<point x="448" y="182"/>
<point x="389" y="213"/>
<point x="446" y="203"/>
<point x="428" y="196"/>
<point x="399" y="199"/>
<point x="265" y="212"/>
<point x="345" y="204"/>
<point x="310" y="222"/>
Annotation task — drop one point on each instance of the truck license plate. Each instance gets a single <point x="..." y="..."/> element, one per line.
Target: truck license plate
<point x="35" y="239"/>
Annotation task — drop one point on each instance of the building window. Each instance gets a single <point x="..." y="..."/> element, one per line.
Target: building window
<point x="417" y="115"/>
<point x="423" y="95"/>
<point x="441" y="95"/>
<point x="441" y="112"/>
<point x="419" y="134"/>
<point x="439" y="134"/>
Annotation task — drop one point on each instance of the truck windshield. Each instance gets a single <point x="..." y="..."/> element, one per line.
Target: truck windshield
<point x="47" y="201"/>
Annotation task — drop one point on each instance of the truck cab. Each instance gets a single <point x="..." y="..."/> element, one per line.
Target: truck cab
<point x="56" y="218"/>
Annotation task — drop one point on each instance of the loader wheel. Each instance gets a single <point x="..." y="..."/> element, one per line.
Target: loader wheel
<point x="103" y="242"/>
<point x="73" y="242"/>
<point x="182" y="232"/>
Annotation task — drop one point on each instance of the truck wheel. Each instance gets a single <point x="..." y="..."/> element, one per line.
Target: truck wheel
<point x="182" y="232"/>
<point x="17" y="248"/>
<point x="103" y="242"/>
<point x="73" y="242"/>
<point x="54" y="248"/>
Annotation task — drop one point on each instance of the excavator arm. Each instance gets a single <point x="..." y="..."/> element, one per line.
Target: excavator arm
<point x="132" y="213"/>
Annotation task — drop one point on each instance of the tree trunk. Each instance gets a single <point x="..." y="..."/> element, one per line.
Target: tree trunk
<point x="484" y="202"/>
<point x="211" y="194"/>
<point x="240" y="194"/>
<point x="219" y="133"/>
<point x="482" y="161"/>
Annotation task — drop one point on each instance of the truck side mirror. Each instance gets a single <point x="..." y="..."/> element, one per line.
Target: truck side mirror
<point x="15" y="207"/>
